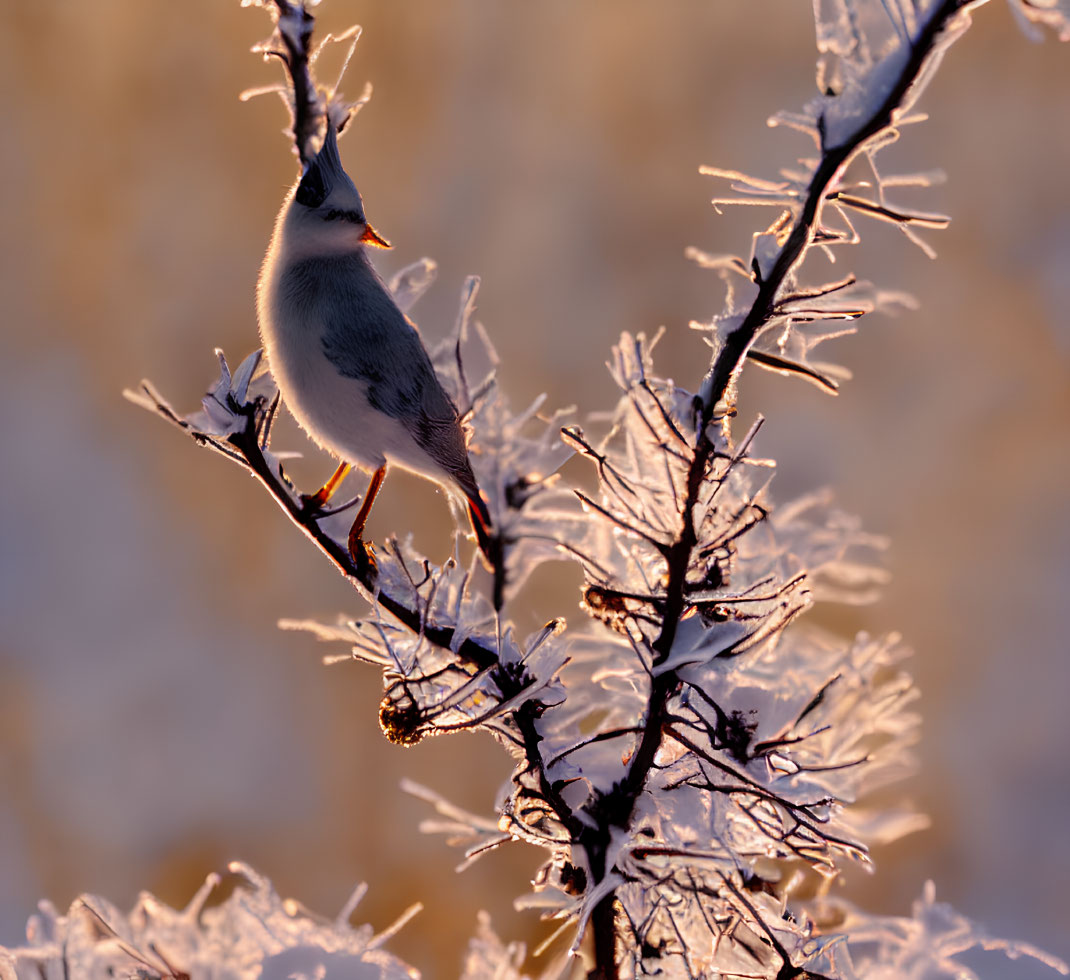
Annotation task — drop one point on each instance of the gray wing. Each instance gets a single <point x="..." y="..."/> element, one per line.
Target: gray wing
<point x="368" y="338"/>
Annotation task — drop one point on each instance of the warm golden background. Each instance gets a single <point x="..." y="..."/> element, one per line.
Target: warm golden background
<point x="153" y="722"/>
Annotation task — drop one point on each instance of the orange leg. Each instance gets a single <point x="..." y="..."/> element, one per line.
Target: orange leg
<point x="357" y="549"/>
<point x="314" y="502"/>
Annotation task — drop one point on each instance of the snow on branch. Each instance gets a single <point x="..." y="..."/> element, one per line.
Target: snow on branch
<point x="429" y="622"/>
<point x="687" y="755"/>
<point x="926" y="944"/>
<point x="311" y="107"/>
<point x="251" y="933"/>
<point x="869" y="87"/>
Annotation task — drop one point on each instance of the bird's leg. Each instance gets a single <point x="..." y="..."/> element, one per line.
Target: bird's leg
<point x="358" y="550"/>
<point x="312" y="503"/>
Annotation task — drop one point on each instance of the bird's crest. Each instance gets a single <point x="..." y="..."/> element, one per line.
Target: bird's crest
<point x="324" y="174"/>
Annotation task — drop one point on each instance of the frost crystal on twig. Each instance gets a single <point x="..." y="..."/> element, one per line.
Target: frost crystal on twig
<point x="691" y="759"/>
<point x="922" y="946"/>
<point x="252" y="933"/>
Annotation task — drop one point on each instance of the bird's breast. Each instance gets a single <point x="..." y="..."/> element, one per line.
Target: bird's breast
<point x="333" y="409"/>
<point x="350" y="367"/>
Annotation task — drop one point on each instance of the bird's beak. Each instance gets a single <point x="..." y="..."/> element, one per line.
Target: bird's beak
<point x="372" y="237"/>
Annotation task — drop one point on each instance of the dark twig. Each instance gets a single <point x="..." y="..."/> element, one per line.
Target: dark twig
<point x="715" y="389"/>
<point x="244" y="448"/>
<point x="290" y="44"/>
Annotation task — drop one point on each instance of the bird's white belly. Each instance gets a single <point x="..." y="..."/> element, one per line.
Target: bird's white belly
<point x="334" y="409"/>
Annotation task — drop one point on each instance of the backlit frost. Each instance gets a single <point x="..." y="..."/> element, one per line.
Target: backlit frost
<point x="250" y="935"/>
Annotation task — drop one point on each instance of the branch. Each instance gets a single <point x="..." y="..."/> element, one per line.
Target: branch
<point x="925" y="52"/>
<point x="246" y="446"/>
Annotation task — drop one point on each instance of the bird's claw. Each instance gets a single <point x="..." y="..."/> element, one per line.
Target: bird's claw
<point x="363" y="554"/>
<point x="311" y="503"/>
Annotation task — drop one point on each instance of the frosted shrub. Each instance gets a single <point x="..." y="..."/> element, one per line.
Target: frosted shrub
<point x="692" y="762"/>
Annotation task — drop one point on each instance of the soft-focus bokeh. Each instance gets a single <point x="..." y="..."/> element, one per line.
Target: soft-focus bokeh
<point x="154" y="723"/>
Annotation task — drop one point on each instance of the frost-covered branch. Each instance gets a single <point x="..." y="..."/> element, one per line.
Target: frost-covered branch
<point x="236" y="421"/>
<point x="863" y="113"/>
<point x="687" y="754"/>
<point x="310" y="106"/>
<point x="860" y="118"/>
<point x="251" y="933"/>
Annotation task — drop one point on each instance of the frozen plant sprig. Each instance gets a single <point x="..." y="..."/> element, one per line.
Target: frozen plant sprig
<point x="251" y="933"/>
<point x="681" y="754"/>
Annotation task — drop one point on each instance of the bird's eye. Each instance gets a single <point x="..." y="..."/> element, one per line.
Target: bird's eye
<point x="336" y="214"/>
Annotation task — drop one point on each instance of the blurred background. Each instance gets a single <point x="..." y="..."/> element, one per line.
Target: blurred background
<point x="154" y="723"/>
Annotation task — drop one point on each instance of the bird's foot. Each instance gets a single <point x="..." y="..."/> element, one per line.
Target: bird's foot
<point x="312" y="503"/>
<point x="363" y="554"/>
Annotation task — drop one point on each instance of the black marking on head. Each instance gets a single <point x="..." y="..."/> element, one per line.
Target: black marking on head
<point x="313" y="189"/>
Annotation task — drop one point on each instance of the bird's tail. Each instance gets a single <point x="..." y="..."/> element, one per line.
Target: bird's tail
<point x="489" y="543"/>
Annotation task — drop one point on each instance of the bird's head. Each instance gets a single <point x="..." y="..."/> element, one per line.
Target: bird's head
<point x="326" y="214"/>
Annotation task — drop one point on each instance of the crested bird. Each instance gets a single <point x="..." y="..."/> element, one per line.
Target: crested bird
<point x="350" y="365"/>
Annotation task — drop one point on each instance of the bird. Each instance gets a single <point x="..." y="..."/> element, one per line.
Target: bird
<point x="350" y="365"/>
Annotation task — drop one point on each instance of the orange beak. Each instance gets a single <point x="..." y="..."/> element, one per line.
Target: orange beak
<point x="372" y="237"/>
